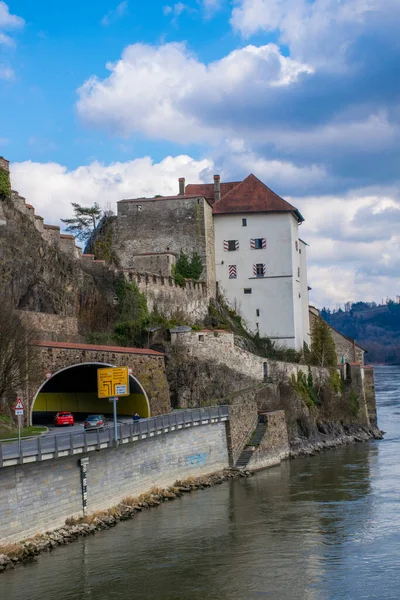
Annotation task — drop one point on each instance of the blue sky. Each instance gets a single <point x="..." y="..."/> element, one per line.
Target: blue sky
<point x="104" y="100"/>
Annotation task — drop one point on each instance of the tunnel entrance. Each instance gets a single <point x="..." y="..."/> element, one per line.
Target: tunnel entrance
<point x="74" y="389"/>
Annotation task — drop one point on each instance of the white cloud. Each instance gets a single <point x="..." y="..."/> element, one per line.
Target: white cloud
<point x="318" y="32"/>
<point x="51" y="187"/>
<point x="6" y="72"/>
<point x="354" y="245"/>
<point x="157" y="90"/>
<point x="115" y="13"/>
<point x="8" y="21"/>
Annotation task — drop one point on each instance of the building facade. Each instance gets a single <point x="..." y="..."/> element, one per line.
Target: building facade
<point x="248" y="239"/>
<point x="261" y="262"/>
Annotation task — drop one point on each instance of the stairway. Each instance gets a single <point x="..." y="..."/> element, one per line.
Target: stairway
<point x="253" y="443"/>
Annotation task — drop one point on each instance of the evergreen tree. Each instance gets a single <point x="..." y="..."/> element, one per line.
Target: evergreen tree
<point x="323" y="352"/>
<point x="196" y="266"/>
<point x="84" y="222"/>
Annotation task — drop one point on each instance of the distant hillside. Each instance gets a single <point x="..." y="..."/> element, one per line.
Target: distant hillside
<point x="376" y="327"/>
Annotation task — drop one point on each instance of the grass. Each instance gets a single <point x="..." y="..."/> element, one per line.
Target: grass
<point x="25" y="432"/>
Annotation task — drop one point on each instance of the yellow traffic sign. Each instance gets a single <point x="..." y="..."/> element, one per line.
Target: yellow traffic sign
<point x="112" y="382"/>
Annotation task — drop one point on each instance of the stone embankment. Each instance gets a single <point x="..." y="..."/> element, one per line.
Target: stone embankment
<point x="333" y="437"/>
<point x="77" y="527"/>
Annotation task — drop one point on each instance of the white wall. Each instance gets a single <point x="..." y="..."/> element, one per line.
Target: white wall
<point x="280" y="317"/>
<point x="304" y="292"/>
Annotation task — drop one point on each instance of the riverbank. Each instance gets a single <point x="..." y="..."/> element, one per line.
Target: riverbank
<point x="333" y="437"/>
<point x="77" y="527"/>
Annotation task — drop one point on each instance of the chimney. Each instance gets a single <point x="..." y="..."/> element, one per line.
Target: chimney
<point x="217" y="188"/>
<point x="181" y="186"/>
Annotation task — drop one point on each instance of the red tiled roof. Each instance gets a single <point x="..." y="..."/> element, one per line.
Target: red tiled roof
<point x="252" y="196"/>
<point x="70" y="346"/>
<point x="207" y="189"/>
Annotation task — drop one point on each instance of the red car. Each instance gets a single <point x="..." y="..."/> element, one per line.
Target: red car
<point x="63" y="418"/>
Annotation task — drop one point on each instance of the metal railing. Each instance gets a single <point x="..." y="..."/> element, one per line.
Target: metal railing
<point x="81" y="441"/>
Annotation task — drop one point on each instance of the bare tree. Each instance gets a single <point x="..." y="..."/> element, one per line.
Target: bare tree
<point x="18" y="358"/>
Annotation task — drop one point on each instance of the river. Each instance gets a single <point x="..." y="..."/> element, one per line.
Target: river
<point x="319" y="528"/>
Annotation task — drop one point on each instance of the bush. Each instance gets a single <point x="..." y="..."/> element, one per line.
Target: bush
<point x="187" y="268"/>
<point x="304" y="387"/>
<point x="335" y="382"/>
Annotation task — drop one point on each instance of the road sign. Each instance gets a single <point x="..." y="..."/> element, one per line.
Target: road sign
<point x="112" y="382"/>
<point x="19" y="405"/>
<point x="19" y="411"/>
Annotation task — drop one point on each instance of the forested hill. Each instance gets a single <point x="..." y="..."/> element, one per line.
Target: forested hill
<point x="375" y="327"/>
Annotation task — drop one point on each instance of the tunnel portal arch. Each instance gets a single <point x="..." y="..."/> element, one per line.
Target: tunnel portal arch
<point x="74" y="388"/>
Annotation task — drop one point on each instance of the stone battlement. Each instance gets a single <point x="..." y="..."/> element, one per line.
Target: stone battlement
<point x="165" y="295"/>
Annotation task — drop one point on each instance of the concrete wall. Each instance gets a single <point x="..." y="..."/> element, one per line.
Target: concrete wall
<point x="161" y="225"/>
<point x="274" y="446"/>
<point x="40" y="496"/>
<point x="190" y="303"/>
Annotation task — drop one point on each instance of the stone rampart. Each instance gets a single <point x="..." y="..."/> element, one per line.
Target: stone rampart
<point x="37" y="497"/>
<point x="219" y="347"/>
<point x="164" y="294"/>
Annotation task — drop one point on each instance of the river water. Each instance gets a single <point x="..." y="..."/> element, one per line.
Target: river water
<point x="320" y="528"/>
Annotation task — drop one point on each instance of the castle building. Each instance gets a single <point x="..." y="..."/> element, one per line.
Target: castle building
<point x="248" y="239"/>
<point x="260" y="259"/>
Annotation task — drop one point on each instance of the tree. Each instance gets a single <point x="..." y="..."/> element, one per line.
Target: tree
<point x="18" y="358"/>
<point x="84" y="222"/>
<point x="323" y="351"/>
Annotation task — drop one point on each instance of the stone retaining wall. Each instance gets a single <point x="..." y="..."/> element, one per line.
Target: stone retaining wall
<point x="274" y="446"/>
<point x="219" y="347"/>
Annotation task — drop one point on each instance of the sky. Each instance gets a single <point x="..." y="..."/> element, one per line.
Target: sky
<point x="102" y="100"/>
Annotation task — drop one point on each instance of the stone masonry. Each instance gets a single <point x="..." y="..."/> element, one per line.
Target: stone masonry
<point x="165" y="225"/>
<point x="147" y="366"/>
<point x="37" y="497"/>
<point x="274" y="446"/>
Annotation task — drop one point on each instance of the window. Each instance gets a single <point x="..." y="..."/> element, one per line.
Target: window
<point x="231" y="245"/>
<point x="297" y="245"/>
<point x="259" y="270"/>
<point x="139" y="207"/>
<point x="232" y="272"/>
<point x="258" y="327"/>
<point x="247" y="290"/>
<point x="244" y="222"/>
<point x="257" y="312"/>
<point x="201" y="338"/>
<point x="298" y="272"/>
<point x="265" y="369"/>
<point x="258" y="243"/>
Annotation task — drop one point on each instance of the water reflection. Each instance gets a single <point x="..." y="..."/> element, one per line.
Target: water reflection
<point x="321" y="528"/>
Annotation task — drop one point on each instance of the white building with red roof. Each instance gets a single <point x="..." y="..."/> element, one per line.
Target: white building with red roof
<point x="260" y="259"/>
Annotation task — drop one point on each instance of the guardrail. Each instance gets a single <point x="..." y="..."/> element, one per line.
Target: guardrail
<point x="58" y="445"/>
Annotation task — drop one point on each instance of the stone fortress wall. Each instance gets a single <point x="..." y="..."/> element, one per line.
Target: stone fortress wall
<point x="150" y="271"/>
